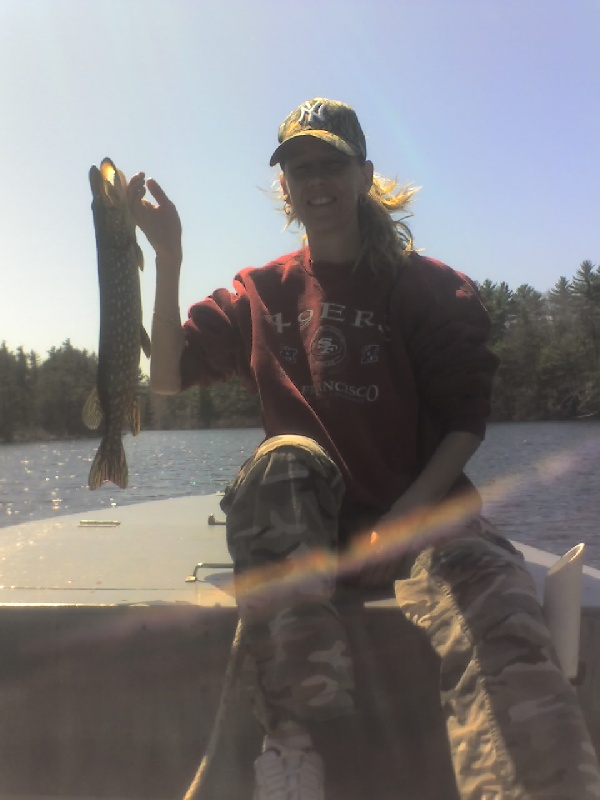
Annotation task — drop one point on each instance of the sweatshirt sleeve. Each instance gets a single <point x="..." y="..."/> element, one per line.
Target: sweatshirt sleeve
<point x="446" y="328"/>
<point x="216" y="347"/>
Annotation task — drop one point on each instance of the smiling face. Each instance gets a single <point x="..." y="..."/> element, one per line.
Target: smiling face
<point x="324" y="186"/>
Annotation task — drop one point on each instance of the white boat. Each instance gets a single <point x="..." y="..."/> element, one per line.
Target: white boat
<point x="115" y="633"/>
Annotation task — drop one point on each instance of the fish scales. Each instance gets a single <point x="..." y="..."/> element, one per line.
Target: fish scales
<point x="114" y="399"/>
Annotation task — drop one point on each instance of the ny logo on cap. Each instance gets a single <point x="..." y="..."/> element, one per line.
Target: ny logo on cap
<point x="310" y="114"/>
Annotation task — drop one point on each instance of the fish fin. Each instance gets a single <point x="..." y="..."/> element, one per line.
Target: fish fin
<point x="91" y="413"/>
<point x="134" y="417"/>
<point x="145" y="342"/>
<point x="139" y="256"/>
<point x="109" y="464"/>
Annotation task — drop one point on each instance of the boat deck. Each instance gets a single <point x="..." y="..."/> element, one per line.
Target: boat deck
<point x="111" y="666"/>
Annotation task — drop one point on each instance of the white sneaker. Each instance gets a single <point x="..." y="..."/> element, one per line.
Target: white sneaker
<point x="286" y="773"/>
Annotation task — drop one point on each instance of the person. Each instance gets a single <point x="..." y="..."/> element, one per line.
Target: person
<point x="374" y="374"/>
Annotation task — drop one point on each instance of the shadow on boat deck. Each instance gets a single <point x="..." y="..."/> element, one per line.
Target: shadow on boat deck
<point x="119" y="702"/>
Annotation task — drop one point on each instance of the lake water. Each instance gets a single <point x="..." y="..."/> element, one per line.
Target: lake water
<point x="540" y="481"/>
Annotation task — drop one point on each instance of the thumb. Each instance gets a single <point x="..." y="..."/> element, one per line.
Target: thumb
<point x="157" y="192"/>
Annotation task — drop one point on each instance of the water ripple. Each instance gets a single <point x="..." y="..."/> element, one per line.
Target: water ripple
<point x="540" y="481"/>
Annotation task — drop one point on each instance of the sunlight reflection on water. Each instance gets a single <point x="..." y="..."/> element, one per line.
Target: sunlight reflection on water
<point x="540" y="481"/>
<point x="554" y="471"/>
<point x="37" y="480"/>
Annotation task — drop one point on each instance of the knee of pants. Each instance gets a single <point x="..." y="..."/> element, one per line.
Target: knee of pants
<point x="286" y="499"/>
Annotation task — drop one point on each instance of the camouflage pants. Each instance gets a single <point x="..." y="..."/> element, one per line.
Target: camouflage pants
<point x="514" y="724"/>
<point x="282" y="512"/>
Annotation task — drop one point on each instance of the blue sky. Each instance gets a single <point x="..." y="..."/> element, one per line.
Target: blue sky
<point x="490" y="106"/>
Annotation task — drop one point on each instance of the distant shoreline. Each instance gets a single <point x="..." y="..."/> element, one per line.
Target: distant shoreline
<point x="38" y="437"/>
<point x="237" y="424"/>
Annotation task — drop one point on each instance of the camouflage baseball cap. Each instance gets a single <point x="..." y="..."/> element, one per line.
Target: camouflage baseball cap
<point x="329" y="120"/>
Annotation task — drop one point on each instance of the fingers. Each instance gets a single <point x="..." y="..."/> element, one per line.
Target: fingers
<point x="158" y="220"/>
<point x="136" y="186"/>
<point x="158" y="192"/>
<point x="136" y="189"/>
<point x="166" y="209"/>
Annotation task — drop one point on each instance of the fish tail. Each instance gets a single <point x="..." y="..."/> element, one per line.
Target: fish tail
<point x="109" y="464"/>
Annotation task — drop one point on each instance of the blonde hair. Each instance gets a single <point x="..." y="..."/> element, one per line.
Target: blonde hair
<point x="385" y="237"/>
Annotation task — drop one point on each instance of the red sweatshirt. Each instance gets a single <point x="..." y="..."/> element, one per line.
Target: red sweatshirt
<point x="377" y="369"/>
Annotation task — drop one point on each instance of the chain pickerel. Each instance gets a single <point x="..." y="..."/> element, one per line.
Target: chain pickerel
<point x="114" y="399"/>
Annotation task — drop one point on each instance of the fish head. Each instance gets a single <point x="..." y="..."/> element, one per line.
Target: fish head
<point x="112" y="219"/>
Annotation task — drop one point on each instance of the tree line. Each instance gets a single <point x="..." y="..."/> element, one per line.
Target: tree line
<point x="549" y="348"/>
<point x="548" y="345"/>
<point x="42" y="400"/>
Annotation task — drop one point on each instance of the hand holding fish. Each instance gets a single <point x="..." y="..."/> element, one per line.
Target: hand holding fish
<point x="159" y="221"/>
